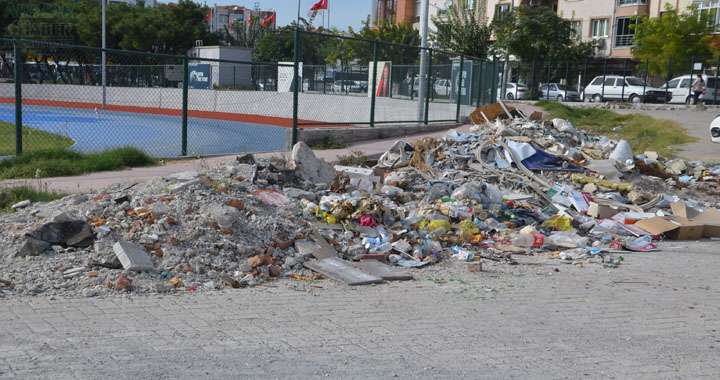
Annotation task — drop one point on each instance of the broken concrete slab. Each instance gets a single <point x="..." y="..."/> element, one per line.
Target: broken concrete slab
<point x="132" y="257"/>
<point x="342" y="271"/>
<point x="178" y="187"/>
<point x="22" y="204"/>
<point x="224" y="215"/>
<point x="384" y="271"/>
<point x="309" y="167"/>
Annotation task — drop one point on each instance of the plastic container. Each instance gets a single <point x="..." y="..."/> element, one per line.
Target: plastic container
<point x="384" y="247"/>
<point x="528" y="240"/>
<point x="462" y="254"/>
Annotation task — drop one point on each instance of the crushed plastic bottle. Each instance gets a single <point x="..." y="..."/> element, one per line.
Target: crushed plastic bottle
<point x="462" y="254"/>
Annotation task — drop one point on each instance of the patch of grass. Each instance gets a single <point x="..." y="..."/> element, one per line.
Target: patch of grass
<point x="643" y="132"/>
<point x="328" y="143"/>
<point x="355" y="158"/>
<point x="61" y="162"/>
<point x="11" y="195"/>
<point x="33" y="140"/>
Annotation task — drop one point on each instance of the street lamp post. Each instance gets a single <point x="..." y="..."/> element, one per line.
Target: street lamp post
<point x="104" y="77"/>
<point x="423" y="58"/>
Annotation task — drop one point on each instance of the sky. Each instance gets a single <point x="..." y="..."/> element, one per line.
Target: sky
<point x="343" y="13"/>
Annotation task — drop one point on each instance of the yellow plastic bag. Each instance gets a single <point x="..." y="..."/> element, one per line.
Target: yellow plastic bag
<point x="437" y="223"/>
<point x="559" y="222"/>
<point x="467" y="226"/>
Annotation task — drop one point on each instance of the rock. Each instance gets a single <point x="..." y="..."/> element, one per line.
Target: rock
<point x="73" y="233"/>
<point x="22" y="204"/>
<point x="237" y="204"/>
<point x="231" y="282"/>
<point x="160" y="209"/>
<point x="33" y="247"/>
<point x="123" y="282"/>
<point x="309" y="167"/>
<point x="356" y="252"/>
<point x="74" y="272"/>
<point x="89" y="292"/>
<point x="245" y="268"/>
<point x="275" y="271"/>
<point x="225" y="216"/>
<point x="259" y="260"/>
<point x="183" y="176"/>
<point x="299" y="194"/>
<point x="246" y="172"/>
<point x="178" y="187"/>
<point x="132" y="257"/>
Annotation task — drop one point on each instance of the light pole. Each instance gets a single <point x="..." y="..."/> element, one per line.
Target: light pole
<point x="423" y="58"/>
<point x="507" y="62"/>
<point x="103" y="54"/>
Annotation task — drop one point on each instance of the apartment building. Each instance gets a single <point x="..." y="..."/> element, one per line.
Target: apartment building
<point x="411" y="10"/>
<point x="225" y="16"/>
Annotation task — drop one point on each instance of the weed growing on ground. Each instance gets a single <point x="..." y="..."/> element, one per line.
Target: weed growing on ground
<point x="355" y="158"/>
<point x="63" y="162"/>
<point x="328" y="143"/>
<point x="642" y="132"/>
<point x="11" y="195"/>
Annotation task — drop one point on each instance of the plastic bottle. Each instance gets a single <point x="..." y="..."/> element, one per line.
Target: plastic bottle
<point x="369" y="242"/>
<point x="436" y="233"/>
<point x="528" y="240"/>
<point x="384" y="247"/>
<point x="462" y="254"/>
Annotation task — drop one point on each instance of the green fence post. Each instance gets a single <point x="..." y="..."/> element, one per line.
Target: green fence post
<point x="427" y="87"/>
<point x="18" y="98"/>
<point x="374" y="83"/>
<point x="186" y="79"/>
<point x="717" y="72"/>
<point x="460" y="82"/>
<point x="480" y="83"/>
<point x="296" y="73"/>
<point x="667" y="81"/>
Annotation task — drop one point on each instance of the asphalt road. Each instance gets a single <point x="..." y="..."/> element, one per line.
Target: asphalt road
<point x="655" y="317"/>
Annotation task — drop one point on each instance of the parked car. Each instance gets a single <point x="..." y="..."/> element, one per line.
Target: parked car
<point x="512" y="91"/>
<point x="715" y="130"/>
<point x="632" y="90"/>
<point x="680" y="89"/>
<point x="442" y="87"/>
<point x="556" y="91"/>
<point x="346" y="85"/>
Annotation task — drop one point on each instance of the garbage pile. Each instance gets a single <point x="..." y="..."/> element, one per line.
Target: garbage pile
<point x="514" y="185"/>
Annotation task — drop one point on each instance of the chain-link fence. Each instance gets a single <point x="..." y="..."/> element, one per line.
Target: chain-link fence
<point x="89" y="99"/>
<point x="662" y="80"/>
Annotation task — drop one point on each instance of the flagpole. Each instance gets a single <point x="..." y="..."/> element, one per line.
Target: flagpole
<point x="328" y="12"/>
<point x="298" y="19"/>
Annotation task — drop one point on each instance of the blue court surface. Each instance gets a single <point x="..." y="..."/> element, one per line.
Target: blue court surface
<point x="158" y="135"/>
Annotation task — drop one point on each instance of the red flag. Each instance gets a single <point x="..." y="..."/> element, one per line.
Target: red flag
<point x="250" y="20"/>
<point x="209" y="15"/>
<point x="322" y="4"/>
<point x="231" y="21"/>
<point x="271" y="19"/>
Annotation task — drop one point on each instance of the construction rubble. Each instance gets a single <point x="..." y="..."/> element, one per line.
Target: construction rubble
<point x="513" y="186"/>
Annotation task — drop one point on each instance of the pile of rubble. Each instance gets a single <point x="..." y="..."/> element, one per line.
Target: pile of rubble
<point x="514" y="185"/>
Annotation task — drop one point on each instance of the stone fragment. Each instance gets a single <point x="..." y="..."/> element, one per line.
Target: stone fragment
<point x="225" y="216"/>
<point x="160" y="209"/>
<point x="231" y="282"/>
<point x="74" y="272"/>
<point x="309" y="167"/>
<point x="123" y="282"/>
<point x="33" y="247"/>
<point x="183" y="176"/>
<point x="22" y="204"/>
<point x="237" y="204"/>
<point x="259" y="260"/>
<point x="132" y="257"/>
<point x="72" y="233"/>
<point x="89" y="292"/>
<point x="299" y="194"/>
<point x="178" y="187"/>
<point x="275" y="271"/>
<point x="245" y="268"/>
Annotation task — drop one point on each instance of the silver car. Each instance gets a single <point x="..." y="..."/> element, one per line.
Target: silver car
<point x="559" y="92"/>
<point x="512" y="91"/>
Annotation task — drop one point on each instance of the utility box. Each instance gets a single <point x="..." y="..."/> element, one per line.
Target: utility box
<point x="225" y="74"/>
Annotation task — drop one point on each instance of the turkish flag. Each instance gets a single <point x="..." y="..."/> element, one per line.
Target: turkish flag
<point x="322" y="4"/>
<point x="270" y="19"/>
<point x="209" y="15"/>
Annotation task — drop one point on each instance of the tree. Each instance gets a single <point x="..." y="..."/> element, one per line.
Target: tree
<point x="279" y="46"/>
<point x="249" y="35"/>
<point x="386" y="31"/>
<point x="675" y="34"/>
<point x="462" y="32"/>
<point x="535" y="34"/>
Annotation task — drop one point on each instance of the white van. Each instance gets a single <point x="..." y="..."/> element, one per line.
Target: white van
<point x="680" y="89"/>
<point x="617" y="87"/>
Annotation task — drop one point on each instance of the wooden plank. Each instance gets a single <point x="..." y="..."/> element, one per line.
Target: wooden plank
<point x="384" y="271"/>
<point x="342" y="271"/>
<point x="326" y="250"/>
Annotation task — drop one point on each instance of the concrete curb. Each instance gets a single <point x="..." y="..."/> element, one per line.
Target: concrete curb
<point x="353" y="134"/>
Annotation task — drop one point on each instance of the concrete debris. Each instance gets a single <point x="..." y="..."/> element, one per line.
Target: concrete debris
<point x="512" y="187"/>
<point x="309" y="167"/>
<point x="22" y="204"/>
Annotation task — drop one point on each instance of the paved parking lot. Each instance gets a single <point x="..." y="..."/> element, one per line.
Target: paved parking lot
<point x="655" y="317"/>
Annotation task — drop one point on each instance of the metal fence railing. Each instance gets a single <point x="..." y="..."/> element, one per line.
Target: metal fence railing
<point x="89" y="99"/>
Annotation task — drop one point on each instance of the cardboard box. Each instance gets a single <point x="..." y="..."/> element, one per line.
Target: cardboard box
<point x="601" y="211"/>
<point x="710" y="219"/>
<point x="682" y="210"/>
<point x="673" y="227"/>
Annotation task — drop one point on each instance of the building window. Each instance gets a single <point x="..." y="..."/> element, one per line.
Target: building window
<point x="711" y="8"/>
<point x="501" y="9"/>
<point x="622" y="3"/>
<point x="575" y="26"/>
<point x="470" y="4"/>
<point x="600" y="28"/>
<point x="623" y="32"/>
<point x="224" y="19"/>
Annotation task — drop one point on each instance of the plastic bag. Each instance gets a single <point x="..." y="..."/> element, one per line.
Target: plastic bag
<point x="558" y="222"/>
<point x="468" y="226"/>
<point x="466" y="191"/>
<point x="397" y="156"/>
<point x="568" y="239"/>
<point x="391" y="190"/>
